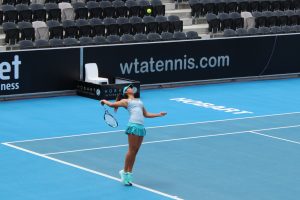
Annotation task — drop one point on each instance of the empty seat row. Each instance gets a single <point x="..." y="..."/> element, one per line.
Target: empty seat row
<point x="80" y="10"/>
<point x="277" y="18"/>
<point x="90" y="28"/>
<point x="262" y="31"/>
<point x="111" y="26"/>
<point x="202" y="7"/>
<point x="223" y="21"/>
<point x="112" y="39"/>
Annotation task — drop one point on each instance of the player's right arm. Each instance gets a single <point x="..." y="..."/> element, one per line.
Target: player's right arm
<point x="117" y="104"/>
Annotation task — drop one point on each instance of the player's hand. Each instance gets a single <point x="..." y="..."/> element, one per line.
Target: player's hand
<point x="162" y="113"/>
<point x="103" y="101"/>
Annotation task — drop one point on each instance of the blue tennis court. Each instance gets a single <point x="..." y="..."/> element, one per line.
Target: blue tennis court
<point x="226" y="141"/>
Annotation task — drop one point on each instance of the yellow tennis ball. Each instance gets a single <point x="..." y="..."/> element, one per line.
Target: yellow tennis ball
<point x="149" y="10"/>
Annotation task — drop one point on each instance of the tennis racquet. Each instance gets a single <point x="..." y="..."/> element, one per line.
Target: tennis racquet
<point x="109" y="119"/>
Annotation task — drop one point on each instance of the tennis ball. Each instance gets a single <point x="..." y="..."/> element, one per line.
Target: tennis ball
<point x="149" y="10"/>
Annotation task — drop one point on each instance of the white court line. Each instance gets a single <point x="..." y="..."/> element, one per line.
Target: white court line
<point x="91" y="171"/>
<point x="150" y="142"/>
<point x="171" y="140"/>
<point x="278" y="138"/>
<point x="154" y="127"/>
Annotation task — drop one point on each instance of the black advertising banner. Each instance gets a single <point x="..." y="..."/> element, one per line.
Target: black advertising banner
<point x="197" y="60"/>
<point x="38" y="71"/>
<point x="108" y="92"/>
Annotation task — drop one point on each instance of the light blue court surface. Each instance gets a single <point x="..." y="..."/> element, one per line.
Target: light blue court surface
<point x="218" y="142"/>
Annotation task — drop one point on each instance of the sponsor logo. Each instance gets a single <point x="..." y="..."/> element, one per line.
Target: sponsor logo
<point x="211" y="106"/>
<point x="9" y="74"/>
<point x="180" y="64"/>
<point x="98" y="92"/>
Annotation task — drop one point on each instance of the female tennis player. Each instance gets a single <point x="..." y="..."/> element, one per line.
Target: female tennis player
<point x="135" y="129"/>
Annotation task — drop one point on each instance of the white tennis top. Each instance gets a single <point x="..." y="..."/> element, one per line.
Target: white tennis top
<point x="135" y="109"/>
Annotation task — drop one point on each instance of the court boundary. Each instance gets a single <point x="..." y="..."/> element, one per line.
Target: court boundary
<point x="153" y="127"/>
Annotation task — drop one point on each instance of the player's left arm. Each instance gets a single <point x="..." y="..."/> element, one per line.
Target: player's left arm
<point x="152" y="115"/>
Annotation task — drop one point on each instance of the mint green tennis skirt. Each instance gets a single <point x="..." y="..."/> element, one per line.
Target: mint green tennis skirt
<point x="135" y="129"/>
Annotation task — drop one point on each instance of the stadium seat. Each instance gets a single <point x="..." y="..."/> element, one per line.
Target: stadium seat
<point x="67" y="11"/>
<point x="70" y="42"/>
<point x="249" y="20"/>
<point x="263" y="31"/>
<point x="295" y="29"/>
<point x="296" y="4"/>
<point x="264" y="5"/>
<point x="120" y="9"/>
<point x="166" y="36"/>
<point x="94" y="9"/>
<point x="113" y="39"/>
<point x="229" y="33"/>
<point x="275" y="30"/>
<point x="41" y="30"/>
<point x="151" y="24"/>
<point x="144" y="5"/>
<point x="271" y="18"/>
<point x="138" y="26"/>
<point x="98" y="28"/>
<point x="55" y="42"/>
<point x="127" y="38"/>
<point x="140" y="37"/>
<point x="100" y="40"/>
<point x="175" y="24"/>
<point x="196" y="7"/>
<point x="108" y="9"/>
<point x="286" y="5"/>
<point x="252" y="31"/>
<point x="111" y="26"/>
<point x="40" y="43"/>
<point x="10" y="13"/>
<point x="8" y="2"/>
<point x="213" y="22"/>
<point x="92" y="74"/>
<point x="219" y="6"/>
<point x="81" y="11"/>
<point x="179" y="36"/>
<point x="27" y="2"/>
<point x="26" y="30"/>
<point x="192" y="35"/>
<point x="153" y="37"/>
<point x="260" y="20"/>
<point x="225" y="21"/>
<point x="133" y="8"/>
<point x="11" y="32"/>
<point x="25" y="14"/>
<point x="254" y="5"/>
<point x="243" y="6"/>
<point x="55" y="29"/>
<point x="85" y="41"/>
<point x="286" y="29"/>
<point x="162" y="23"/>
<point x="1" y="17"/>
<point x="38" y="12"/>
<point x="275" y="5"/>
<point x="26" y="44"/>
<point x="282" y="18"/>
<point x="53" y="11"/>
<point x="124" y="25"/>
<point x="158" y="7"/>
<point x="231" y="6"/>
<point x="237" y="20"/>
<point x="293" y="17"/>
<point x="84" y="28"/>
<point x="208" y="7"/>
<point x="70" y="29"/>
<point x="241" y="32"/>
